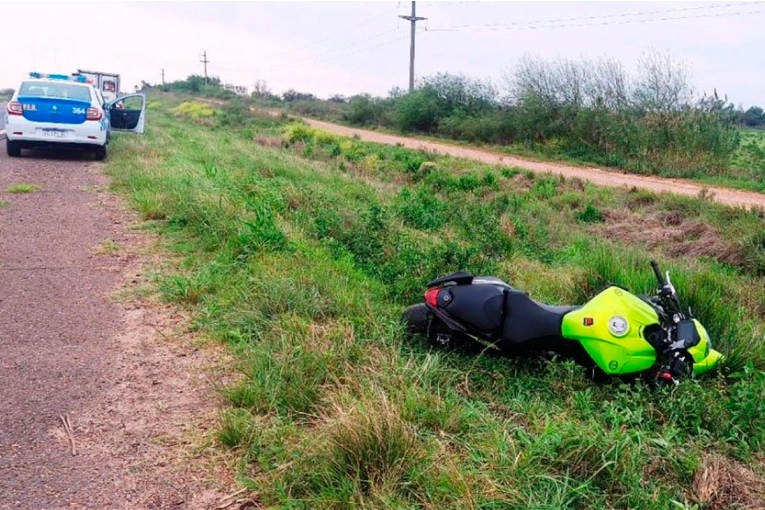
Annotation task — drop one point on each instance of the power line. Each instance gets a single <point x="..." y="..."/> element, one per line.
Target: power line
<point x="342" y="55"/>
<point x="329" y="52"/>
<point x="716" y="15"/>
<point x="332" y="36"/>
<point x="586" y="18"/>
<point x="448" y="4"/>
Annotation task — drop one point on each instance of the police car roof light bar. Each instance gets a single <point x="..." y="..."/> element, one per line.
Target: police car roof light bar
<point x="81" y="79"/>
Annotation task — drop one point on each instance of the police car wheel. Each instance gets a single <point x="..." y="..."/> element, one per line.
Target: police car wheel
<point x="13" y="148"/>
<point x="100" y="153"/>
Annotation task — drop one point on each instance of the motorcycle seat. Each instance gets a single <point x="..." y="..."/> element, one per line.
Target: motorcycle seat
<point x="559" y="310"/>
<point x="532" y="325"/>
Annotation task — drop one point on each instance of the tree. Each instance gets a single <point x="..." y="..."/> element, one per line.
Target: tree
<point x="293" y="95"/>
<point x="753" y="117"/>
<point x="337" y="98"/>
<point x="261" y="90"/>
<point x="459" y="93"/>
<point x="663" y="83"/>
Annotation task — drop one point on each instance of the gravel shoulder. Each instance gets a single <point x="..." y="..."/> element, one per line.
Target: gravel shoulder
<point x="81" y="337"/>
<point x="595" y="175"/>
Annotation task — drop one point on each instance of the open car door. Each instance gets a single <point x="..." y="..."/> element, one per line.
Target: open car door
<point x="127" y="113"/>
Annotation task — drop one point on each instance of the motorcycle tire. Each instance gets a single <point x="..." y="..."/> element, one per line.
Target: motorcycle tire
<point x="416" y="319"/>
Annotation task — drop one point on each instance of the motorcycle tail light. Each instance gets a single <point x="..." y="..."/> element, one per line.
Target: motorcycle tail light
<point x="431" y="297"/>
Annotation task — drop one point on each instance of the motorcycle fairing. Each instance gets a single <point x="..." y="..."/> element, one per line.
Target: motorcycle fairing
<point x="704" y="357"/>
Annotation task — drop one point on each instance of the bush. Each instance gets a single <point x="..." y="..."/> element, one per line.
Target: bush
<point x="418" y="111"/>
<point x="363" y="110"/>
<point x="193" y="110"/>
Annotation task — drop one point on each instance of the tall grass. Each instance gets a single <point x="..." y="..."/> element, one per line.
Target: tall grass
<point x="301" y="259"/>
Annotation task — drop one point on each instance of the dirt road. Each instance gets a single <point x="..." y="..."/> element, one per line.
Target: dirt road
<point x="594" y="175"/>
<point x="68" y="348"/>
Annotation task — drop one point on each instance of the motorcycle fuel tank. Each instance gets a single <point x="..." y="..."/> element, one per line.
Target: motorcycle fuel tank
<point x="610" y="328"/>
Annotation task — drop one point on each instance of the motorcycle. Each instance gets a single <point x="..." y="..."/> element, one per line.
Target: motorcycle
<point x="616" y="333"/>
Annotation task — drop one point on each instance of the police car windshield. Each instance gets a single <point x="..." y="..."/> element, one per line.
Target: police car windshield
<point x="57" y="90"/>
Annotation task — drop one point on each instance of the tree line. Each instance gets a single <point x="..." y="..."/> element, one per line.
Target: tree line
<point x="650" y="121"/>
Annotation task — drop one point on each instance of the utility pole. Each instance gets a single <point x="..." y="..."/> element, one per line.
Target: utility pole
<point x="163" y="76"/>
<point x="205" y="62"/>
<point x="413" y="19"/>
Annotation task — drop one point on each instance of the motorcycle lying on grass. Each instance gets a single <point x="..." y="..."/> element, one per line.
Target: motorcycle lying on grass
<point x="616" y="333"/>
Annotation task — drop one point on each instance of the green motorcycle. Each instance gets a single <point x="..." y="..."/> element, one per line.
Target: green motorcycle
<point x="616" y="333"/>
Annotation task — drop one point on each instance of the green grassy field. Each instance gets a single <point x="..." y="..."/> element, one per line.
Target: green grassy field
<point x="748" y="163"/>
<point x="299" y="250"/>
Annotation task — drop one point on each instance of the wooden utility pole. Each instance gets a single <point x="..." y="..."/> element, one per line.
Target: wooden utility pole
<point x="205" y="62"/>
<point x="163" y="76"/>
<point x="413" y="19"/>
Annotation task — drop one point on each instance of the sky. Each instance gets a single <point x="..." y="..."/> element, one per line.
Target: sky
<point x="346" y="48"/>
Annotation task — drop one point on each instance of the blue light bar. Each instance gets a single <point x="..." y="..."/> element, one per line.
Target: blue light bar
<point x="78" y="78"/>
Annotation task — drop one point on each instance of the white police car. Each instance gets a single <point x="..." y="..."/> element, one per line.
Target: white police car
<point x="57" y="110"/>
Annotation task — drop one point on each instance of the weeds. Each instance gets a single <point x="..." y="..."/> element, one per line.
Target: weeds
<point x="303" y="270"/>
<point x="23" y="188"/>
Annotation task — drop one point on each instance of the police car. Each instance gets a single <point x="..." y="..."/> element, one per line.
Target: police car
<point x="62" y="111"/>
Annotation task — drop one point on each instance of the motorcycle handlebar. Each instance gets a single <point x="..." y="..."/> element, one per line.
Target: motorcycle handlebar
<point x="657" y="272"/>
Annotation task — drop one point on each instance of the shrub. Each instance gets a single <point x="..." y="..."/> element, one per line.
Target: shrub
<point x="193" y="110"/>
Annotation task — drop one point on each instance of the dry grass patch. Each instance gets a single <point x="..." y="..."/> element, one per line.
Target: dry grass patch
<point x="724" y="484"/>
<point x="666" y="231"/>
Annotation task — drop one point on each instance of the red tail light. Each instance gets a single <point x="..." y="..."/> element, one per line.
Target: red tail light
<point x="431" y="297"/>
<point x="93" y="114"/>
<point x="15" y="108"/>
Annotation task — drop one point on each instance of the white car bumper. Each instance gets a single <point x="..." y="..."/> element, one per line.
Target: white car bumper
<point x="92" y="132"/>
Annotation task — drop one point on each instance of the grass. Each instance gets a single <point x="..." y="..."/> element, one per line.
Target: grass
<point x="4" y="204"/>
<point x="23" y="188"/>
<point x="301" y="252"/>
<point x="108" y="247"/>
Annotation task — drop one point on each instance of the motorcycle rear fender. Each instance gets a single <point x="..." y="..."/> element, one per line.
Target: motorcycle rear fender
<point x="615" y="352"/>
<point x="446" y="319"/>
<point x="458" y="278"/>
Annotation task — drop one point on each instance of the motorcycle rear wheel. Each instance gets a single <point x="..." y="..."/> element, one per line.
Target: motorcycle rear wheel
<point x="416" y="319"/>
<point x="419" y="321"/>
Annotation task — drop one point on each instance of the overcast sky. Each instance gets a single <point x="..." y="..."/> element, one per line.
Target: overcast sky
<point x="349" y="47"/>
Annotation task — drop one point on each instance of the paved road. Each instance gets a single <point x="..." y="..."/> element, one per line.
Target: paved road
<point x="55" y="321"/>
<point x="594" y="175"/>
<point x="67" y="348"/>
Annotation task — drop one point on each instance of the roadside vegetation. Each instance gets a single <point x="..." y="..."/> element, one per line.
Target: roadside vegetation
<point x="23" y="187"/>
<point x="584" y="111"/>
<point x="299" y="250"/>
